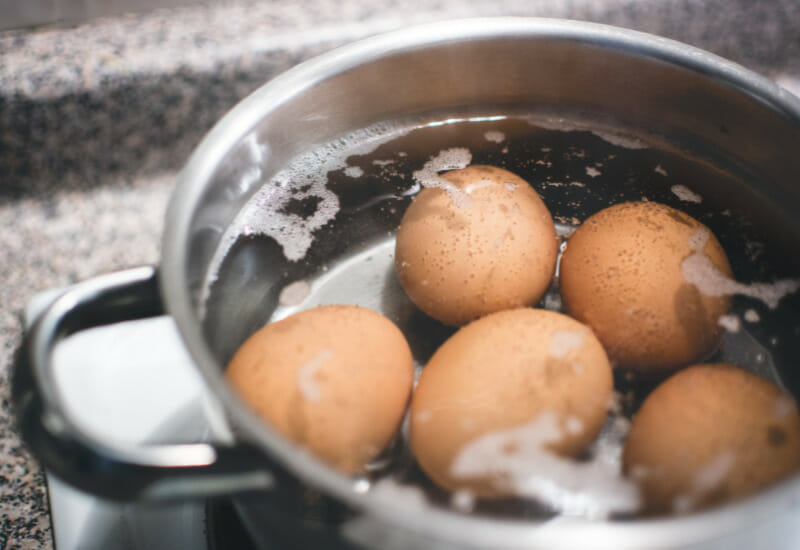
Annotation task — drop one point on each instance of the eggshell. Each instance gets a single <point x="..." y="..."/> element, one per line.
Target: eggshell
<point x="710" y="434"/>
<point x="334" y="379"/>
<point x="621" y="275"/>
<point x="504" y="371"/>
<point x="495" y="249"/>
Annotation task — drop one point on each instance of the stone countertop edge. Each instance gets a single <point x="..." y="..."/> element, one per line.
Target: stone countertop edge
<point x="96" y="119"/>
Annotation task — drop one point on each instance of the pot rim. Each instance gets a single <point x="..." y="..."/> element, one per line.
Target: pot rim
<point x="562" y="532"/>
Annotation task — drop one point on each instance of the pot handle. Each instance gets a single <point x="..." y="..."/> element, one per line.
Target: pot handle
<point x="123" y="473"/>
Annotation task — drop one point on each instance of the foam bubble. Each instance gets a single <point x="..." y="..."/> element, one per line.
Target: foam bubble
<point x="463" y="501"/>
<point x="412" y="497"/>
<point x="494" y="136"/>
<point x="660" y="170"/>
<point x="784" y="406"/>
<point x="699" y="270"/>
<point x="752" y="316"/>
<point x="564" y="341"/>
<point x="448" y="159"/>
<point x="685" y="194"/>
<point x="306" y="383"/>
<point x="295" y="293"/>
<point x="353" y="172"/>
<point x="480" y="184"/>
<point x="305" y="177"/>
<point x="704" y="480"/>
<point x="594" y="488"/>
<point x="592" y="172"/>
<point x="730" y="323"/>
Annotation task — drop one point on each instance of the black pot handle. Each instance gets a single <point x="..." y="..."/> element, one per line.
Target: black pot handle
<point x="125" y="473"/>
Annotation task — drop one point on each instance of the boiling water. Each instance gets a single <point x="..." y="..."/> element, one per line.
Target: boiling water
<point x="324" y="230"/>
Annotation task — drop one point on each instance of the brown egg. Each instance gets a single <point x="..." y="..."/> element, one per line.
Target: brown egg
<point x="334" y="379"/>
<point x="621" y="275"/>
<point x="503" y="371"/>
<point x="494" y="249"/>
<point x="709" y="434"/>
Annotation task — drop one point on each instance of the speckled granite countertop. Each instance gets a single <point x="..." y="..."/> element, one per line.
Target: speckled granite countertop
<point x="95" y="121"/>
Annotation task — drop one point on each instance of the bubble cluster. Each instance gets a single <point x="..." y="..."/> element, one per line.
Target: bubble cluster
<point x="685" y="194"/>
<point x="518" y="459"/>
<point x="699" y="270"/>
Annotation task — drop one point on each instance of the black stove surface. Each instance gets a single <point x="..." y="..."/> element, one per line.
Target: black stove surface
<point x="224" y="529"/>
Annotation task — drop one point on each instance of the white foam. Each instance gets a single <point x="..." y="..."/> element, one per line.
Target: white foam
<point x="306" y="374"/>
<point x="699" y="270"/>
<point x="294" y="294"/>
<point x="305" y="177"/>
<point x="565" y="125"/>
<point x="353" y="171"/>
<point x="516" y="460"/>
<point x="428" y="176"/>
<point x="660" y="170"/>
<point x="409" y="495"/>
<point x="752" y="316"/>
<point x="592" y="172"/>
<point x="574" y="425"/>
<point x="620" y="140"/>
<point x="685" y="194"/>
<point x="731" y="323"/>
<point x="494" y="136"/>
<point x="480" y="184"/>
<point x="564" y="341"/>
<point x="463" y="501"/>
<point x="704" y="480"/>
<point x="784" y="406"/>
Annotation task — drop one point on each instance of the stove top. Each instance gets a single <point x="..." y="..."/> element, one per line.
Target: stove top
<point x="133" y="383"/>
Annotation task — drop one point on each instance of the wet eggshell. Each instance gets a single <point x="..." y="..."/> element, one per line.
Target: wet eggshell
<point x="709" y="434"/>
<point x="621" y="275"/>
<point x="334" y="379"/>
<point x="460" y="262"/>
<point x="501" y="372"/>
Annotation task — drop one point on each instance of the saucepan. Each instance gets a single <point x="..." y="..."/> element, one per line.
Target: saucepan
<point x="301" y="187"/>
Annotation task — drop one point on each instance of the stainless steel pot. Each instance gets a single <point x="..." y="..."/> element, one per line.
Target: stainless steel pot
<point x="631" y="81"/>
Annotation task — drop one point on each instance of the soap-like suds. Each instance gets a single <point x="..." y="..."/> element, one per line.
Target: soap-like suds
<point x="305" y="177"/>
<point x="294" y="294"/>
<point x="626" y="142"/>
<point x="409" y="495"/>
<point x="699" y="270"/>
<point x="731" y="323"/>
<point x="573" y="425"/>
<point x="353" y="171"/>
<point x="379" y="162"/>
<point x="564" y="125"/>
<point x="784" y="406"/>
<point x="685" y="194"/>
<point x="704" y="480"/>
<point x="592" y="172"/>
<point x="593" y="489"/>
<point x="510" y="186"/>
<point x="463" y="501"/>
<point x="448" y="159"/>
<point x="480" y="184"/>
<point x="564" y="341"/>
<point x="752" y="316"/>
<point x="306" y="383"/>
<point x="494" y="136"/>
<point x="660" y="170"/>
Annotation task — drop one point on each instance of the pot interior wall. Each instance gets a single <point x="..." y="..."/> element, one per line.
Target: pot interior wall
<point x="736" y="151"/>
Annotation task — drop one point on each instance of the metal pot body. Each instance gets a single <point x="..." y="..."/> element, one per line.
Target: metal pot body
<point x="611" y="77"/>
